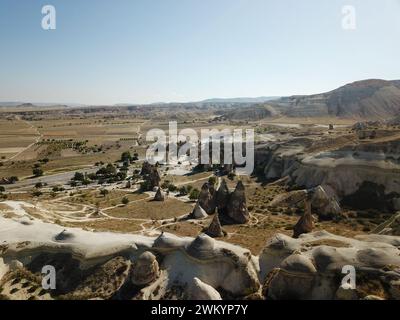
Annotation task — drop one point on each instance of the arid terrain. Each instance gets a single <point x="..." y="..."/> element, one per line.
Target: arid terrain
<point x="76" y="189"/>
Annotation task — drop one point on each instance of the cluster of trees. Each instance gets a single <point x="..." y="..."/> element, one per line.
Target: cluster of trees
<point x="127" y="157"/>
<point x="37" y="170"/>
<point x="82" y="178"/>
<point x="110" y="174"/>
<point x="169" y="186"/>
<point x="37" y="192"/>
<point x="80" y="146"/>
<point x="183" y="191"/>
<point x="194" y="194"/>
<point x="106" y="174"/>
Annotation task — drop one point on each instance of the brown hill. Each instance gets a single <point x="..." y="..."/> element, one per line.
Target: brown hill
<point x="368" y="99"/>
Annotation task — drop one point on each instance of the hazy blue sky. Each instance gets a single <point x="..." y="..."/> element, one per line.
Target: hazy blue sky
<point x="140" y="51"/>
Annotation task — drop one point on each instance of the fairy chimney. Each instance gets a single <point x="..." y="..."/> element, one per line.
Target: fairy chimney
<point x="159" y="195"/>
<point x="199" y="212"/>
<point x="214" y="230"/>
<point x="237" y="208"/>
<point x="305" y="223"/>
<point x="206" y="200"/>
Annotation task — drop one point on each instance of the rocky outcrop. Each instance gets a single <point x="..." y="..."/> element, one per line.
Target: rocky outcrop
<point x="198" y="290"/>
<point x="363" y="175"/>
<point x="103" y="282"/>
<point x="214" y="230"/>
<point x="289" y="199"/>
<point x="324" y="203"/>
<point x="389" y="227"/>
<point x="312" y="266"/>
<point x="125" y="266"/>
<point x="237" y="207"/>
<point x="154" y="178"/>
<point x="159" y="196"/>
<point x="305" y="223"/>
<point x="104" y="265"/>
<point x="199" y="212"/>
<point x="206" y="199"/>
<point x="224" y="267"/>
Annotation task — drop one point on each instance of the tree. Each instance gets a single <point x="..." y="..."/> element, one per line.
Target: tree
<point x="110" y="169"/>
<point x="104" y="192"/>
<point x="78" y="176"/>
<point x="38" y="185"/>
<point x="194" y="194"/>
<point x="183" y="191"/>
<point x="37" y="193"/>
<point x="212" y="180"/>
<point x="92" y="176"/>
<point x="125" y="166"/>
<point x="2" y="189"/>
<point x="107" y="171"/>
<point x="13" y="179"/>
<point x="37" y="172"/>
<point x="121" y="175"/>
<point x="125" y="200"/>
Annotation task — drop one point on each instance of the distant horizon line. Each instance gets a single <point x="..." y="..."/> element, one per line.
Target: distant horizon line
<point x="125" y="104"/>
<point x="237" y="99"/>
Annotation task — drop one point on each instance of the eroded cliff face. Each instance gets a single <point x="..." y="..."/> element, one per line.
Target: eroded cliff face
<point x="355" y="173"/>
<point x="98" y="265"/>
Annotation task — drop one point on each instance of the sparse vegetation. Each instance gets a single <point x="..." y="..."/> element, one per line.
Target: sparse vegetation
<point x="37" y="172"/>
<point x="194" y="194"/>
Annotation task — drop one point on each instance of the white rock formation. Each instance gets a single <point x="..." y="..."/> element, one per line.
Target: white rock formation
<point x="199" y="212"/>
<point x="325" y="203"/>
<point x="172" y="267"/>
<point x="198" y="290"/>
<point x="217" y="264"/>
<point x="311" y="267"/>
<point x="145" y="269"/>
